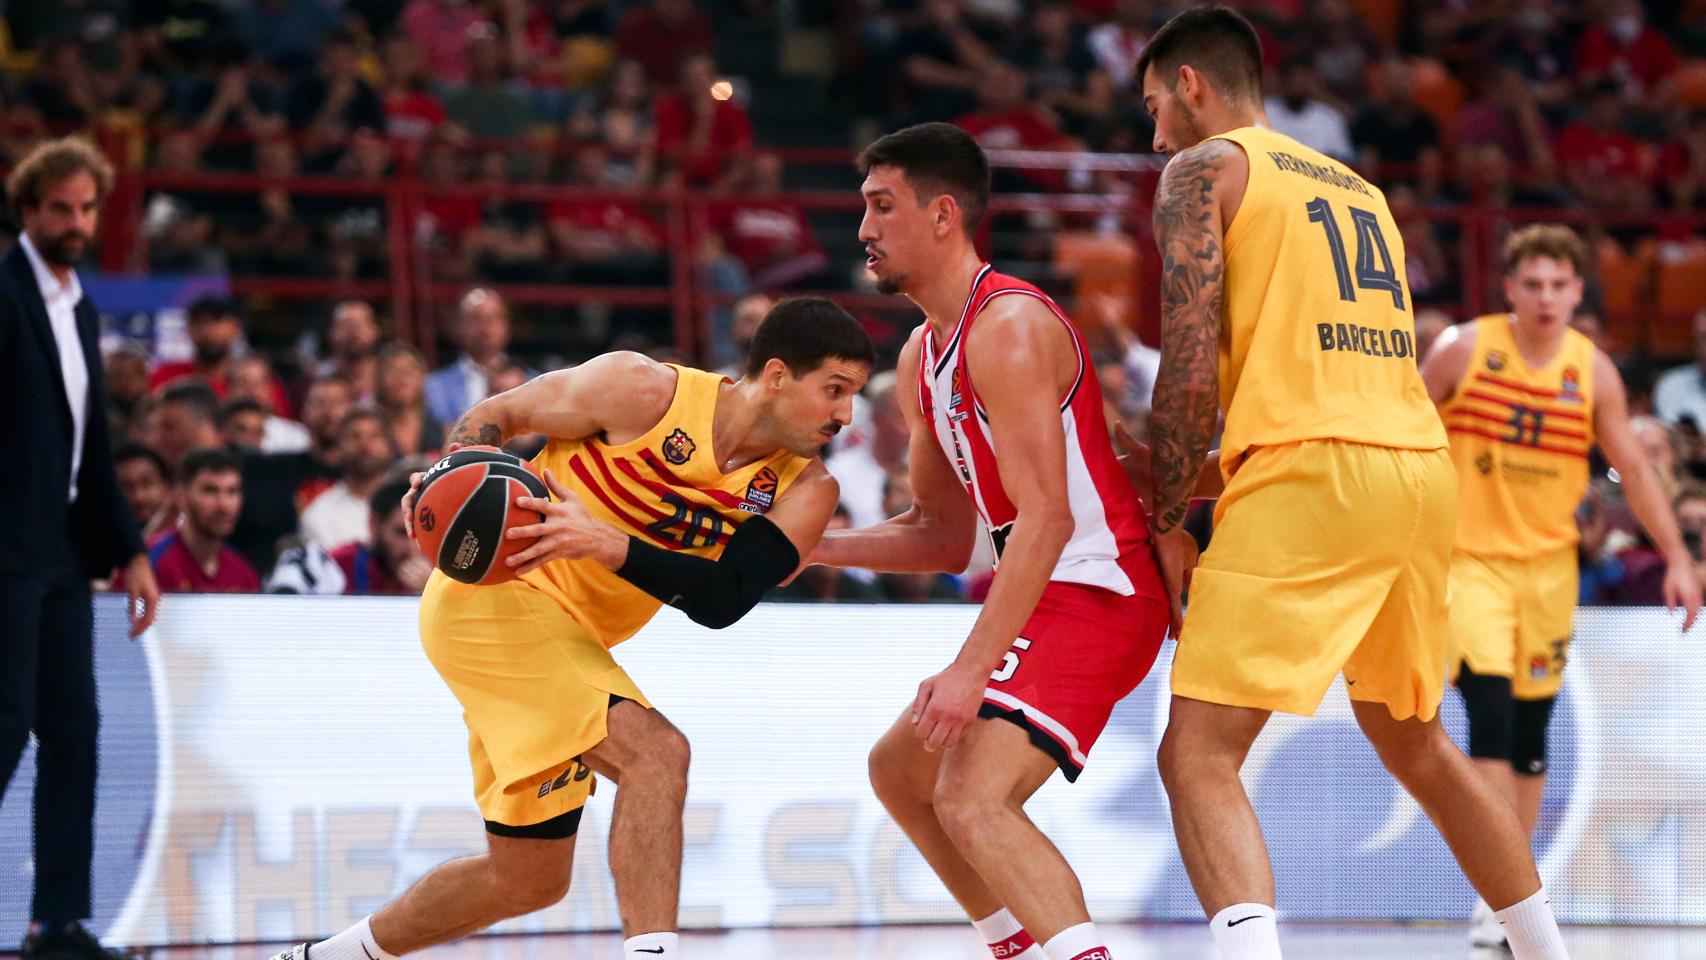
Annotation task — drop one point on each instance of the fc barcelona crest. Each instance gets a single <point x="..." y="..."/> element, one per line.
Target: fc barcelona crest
<point x="678" y="447"/>
<point x="1495" y="360"/>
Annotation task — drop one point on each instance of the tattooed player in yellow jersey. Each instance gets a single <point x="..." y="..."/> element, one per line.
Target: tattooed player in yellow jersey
<point x="1284" y="302"/>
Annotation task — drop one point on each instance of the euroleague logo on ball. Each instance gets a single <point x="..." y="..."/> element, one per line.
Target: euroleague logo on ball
<point x="428" y="519"/>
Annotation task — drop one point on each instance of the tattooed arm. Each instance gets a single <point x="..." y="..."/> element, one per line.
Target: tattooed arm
<point x="619" y="395"/>
<point x="1197" y="189"/>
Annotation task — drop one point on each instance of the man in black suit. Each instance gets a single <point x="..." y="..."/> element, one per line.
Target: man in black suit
<point x="58" y="477"/>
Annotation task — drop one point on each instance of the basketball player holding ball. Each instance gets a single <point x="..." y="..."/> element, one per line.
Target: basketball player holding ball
<point x="668" y="484"/>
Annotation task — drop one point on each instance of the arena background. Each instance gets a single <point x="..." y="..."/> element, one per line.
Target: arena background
<point x="276" y="767"/>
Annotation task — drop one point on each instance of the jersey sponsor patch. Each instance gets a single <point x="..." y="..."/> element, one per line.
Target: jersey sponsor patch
<point x="678" y="447"/>
<point x="761" y="492"/>
<point x="1571" y="391"/>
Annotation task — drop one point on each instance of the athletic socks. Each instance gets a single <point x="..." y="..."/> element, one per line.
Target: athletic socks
<point x="652" y="946"/>
<point x="1532" y="930"/>
<point x="1006" y="938"/>
<point x="1077" y="943"/>
<point x="356" y="943"/>
<point x="1246" y="931"/>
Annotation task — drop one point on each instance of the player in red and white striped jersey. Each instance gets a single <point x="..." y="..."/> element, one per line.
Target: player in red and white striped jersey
<point x="1007" y="428"/>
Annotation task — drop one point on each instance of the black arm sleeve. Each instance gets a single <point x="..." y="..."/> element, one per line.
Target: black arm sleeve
<point x="715" y="593"/>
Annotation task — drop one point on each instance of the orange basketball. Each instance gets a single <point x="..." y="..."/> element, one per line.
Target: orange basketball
<point x="466" y="504"/>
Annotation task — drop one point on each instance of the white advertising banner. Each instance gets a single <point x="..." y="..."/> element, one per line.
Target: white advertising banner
<point x="277" y="767"/>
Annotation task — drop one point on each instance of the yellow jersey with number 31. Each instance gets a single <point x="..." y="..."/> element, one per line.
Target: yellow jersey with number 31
<point x="1520" y="437"/>
<point x="1317" y="336"/>
<point x="664" y="487"/>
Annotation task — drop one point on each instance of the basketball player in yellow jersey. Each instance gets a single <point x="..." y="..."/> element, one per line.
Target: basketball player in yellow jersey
<point x="670" y="484"/>
<point x="1284" y="301"/>
<point x="1524" y="398"/>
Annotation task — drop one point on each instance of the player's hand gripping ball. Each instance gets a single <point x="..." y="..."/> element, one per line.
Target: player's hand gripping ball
<point x="464" y="506"/>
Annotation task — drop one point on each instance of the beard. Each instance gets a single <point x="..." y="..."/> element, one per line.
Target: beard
<point x="64" y="250"/>
<point x="890" y="284"/>
<point x="212" y="356"/>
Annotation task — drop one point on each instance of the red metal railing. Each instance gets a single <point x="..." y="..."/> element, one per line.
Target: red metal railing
<point x="413" y="293"/>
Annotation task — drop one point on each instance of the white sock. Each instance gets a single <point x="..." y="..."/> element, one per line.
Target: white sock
<point x="652" y="946"/>
<point x="356" y="943"/>
<point x="1246" y="931"/>
<point x="1007" y="939"/>
<point x="1532" y="930"/>
<point x="1077" y="943"/>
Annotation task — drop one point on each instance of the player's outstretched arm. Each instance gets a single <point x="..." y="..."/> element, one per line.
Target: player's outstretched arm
<point x="936" y="535"/>
<point x="613" y="393"/>
<point x="1447" y="362"/>
<point x="1641" y="487"/>
<point x="1189" y="229"/>
<point x="713" y="593"/>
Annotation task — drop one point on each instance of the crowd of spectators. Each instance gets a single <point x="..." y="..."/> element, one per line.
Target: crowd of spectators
<point x="1591" y="104"/>
<point x="1578" y="105"/>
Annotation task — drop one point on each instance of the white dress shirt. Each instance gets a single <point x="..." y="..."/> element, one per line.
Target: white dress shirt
<point x="61" y="301"/>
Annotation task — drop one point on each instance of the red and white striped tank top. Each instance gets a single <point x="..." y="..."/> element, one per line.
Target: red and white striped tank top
<point x="1107" y="514"/>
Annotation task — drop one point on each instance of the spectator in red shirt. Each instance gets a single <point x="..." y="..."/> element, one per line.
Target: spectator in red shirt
<point x="604" y="236"/>
<point x="704" y="139"/>
<point x="449" y="212"/>
<point x="661" y="34"/>
<point x="440" y="28"/>
<point x="1624" y="49"/>
<point x="1601" y="162"/>
<point x="1682" y="166"/>
<point x="767" y="233"/>
<point x="1006" y="120"/>
<point x="216" y="331"/>
<point x="411" y="110"/>
<point x="253" y="377"/>
<point x="194" y="557"/>
<point x="393" y="564"/>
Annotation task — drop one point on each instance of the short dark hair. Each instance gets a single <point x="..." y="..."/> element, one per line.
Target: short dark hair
<point x="388" y="496"/>
<point x="136" y="451"/>
<point x="194" y="394"/>
<point x="803" y="332"/>
<point x="207" y="460"/>
<point x="210" y="308"/>
<point x="1216" y="41"/>
<point x="239" y="405"/>
<point x="936" y="158"/>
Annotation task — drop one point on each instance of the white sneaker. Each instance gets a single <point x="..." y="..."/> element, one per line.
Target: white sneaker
<point x="298" y="952"/>
<point x="1485" y="932"/>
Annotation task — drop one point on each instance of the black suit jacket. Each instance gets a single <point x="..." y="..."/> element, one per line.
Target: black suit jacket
<point x="46" y="536"/>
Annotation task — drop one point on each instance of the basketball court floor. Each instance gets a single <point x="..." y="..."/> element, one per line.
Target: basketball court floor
<point x="1128" y="942"/>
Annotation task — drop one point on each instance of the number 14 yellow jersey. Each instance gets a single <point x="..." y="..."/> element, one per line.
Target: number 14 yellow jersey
<point x="1318" y="337"/>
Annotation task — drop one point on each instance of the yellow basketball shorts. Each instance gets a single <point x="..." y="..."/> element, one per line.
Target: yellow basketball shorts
<point x="535" y="689"/>
<point x="1327" y="556"/>
<point x="1512" y="617"/>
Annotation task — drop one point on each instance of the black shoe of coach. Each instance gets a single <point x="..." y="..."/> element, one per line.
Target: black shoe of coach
<point x="73" y="941"/>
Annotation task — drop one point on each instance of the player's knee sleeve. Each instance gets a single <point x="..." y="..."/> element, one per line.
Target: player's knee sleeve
<point x="1491" y="710"/>
<point x="1528" y="740"/>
